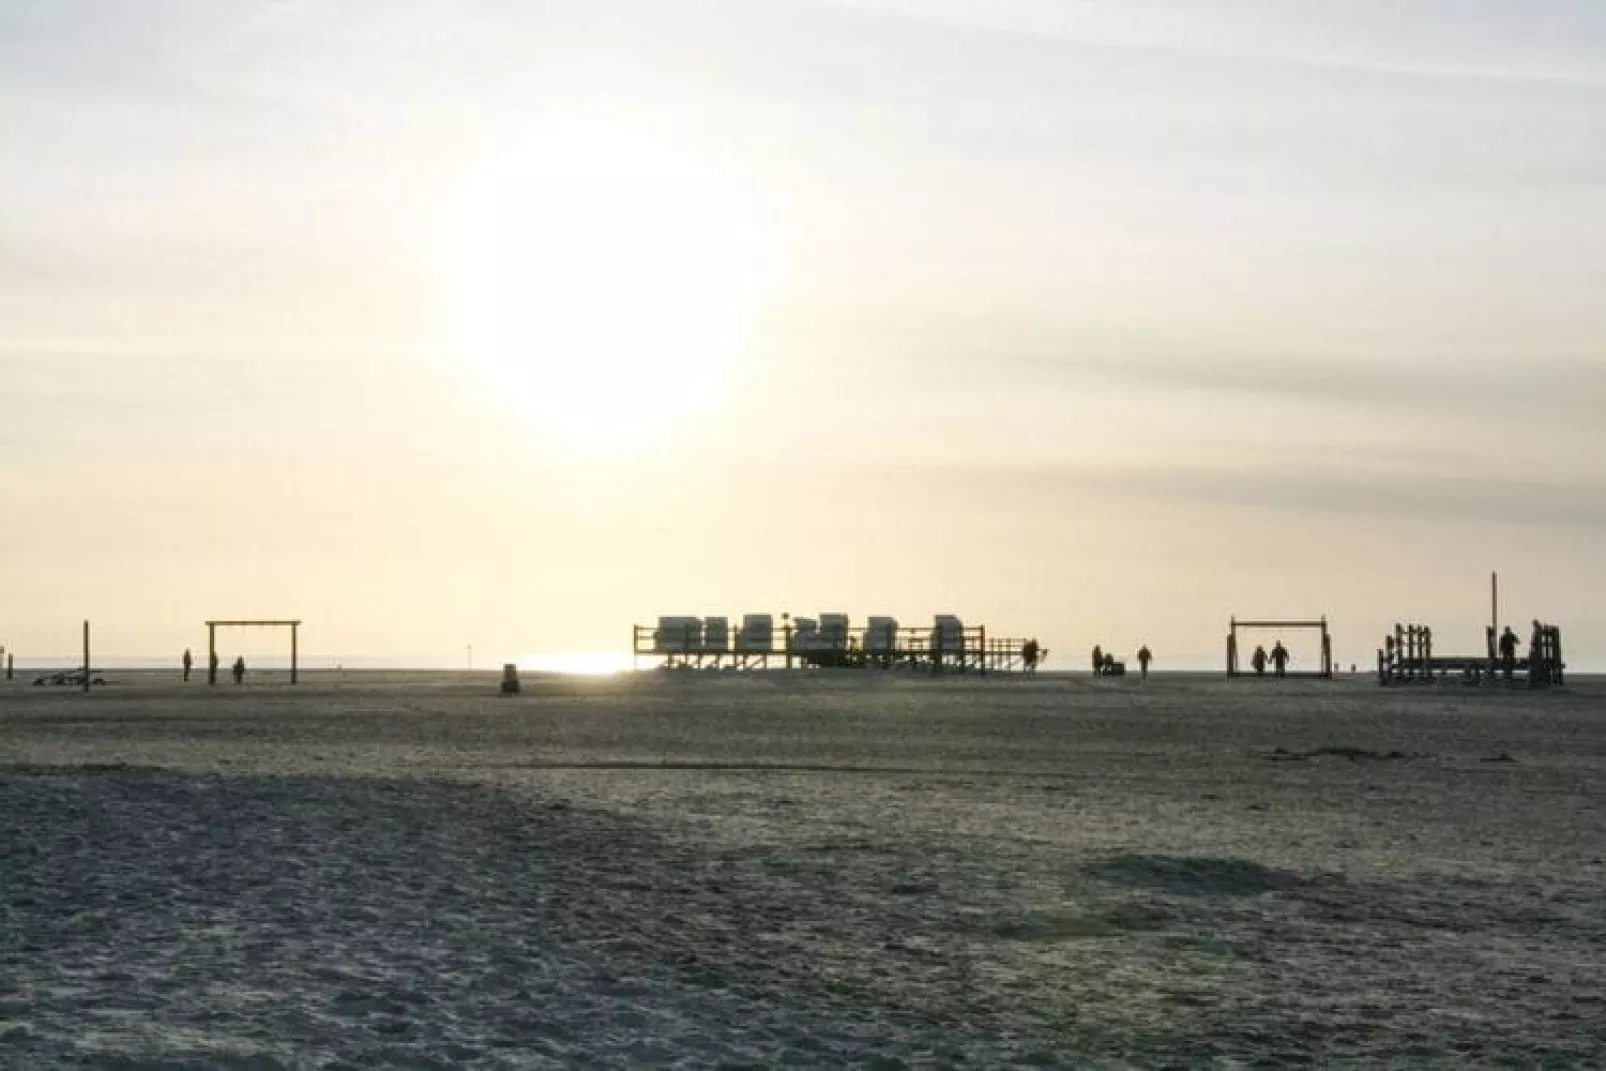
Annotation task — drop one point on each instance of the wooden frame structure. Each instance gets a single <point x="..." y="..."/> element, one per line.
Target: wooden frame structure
<point x="1407" y="657"/>
<point x="211" y="644"/>
<point x="908" y="648"/>
<point x="1325" y="672"/>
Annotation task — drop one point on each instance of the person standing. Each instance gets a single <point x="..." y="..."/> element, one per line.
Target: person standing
<point x="1279" y="658"/>
<point x="1508" y="653"/>
<point x="1145" y="656"/>
<point x="1258" y="660"/>
<point x="1098" y="660"/>
<point x="189" y="660"/>
<point x="239" y="669"/>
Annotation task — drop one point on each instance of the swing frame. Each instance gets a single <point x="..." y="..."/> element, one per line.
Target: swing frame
<point x="211" y="644"/>
<point x="1319" y="625"/>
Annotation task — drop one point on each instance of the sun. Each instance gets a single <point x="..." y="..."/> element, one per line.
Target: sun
<point x="603" y="282"/>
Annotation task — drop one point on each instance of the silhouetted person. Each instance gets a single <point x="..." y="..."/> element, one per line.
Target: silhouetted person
<point x="1028" y="655"/>
<point x="1279" y="658"/>
<point x="1508" y="653"/>
<point x="1144" y="657"/>
<point x="1258" y="660"/>
<point x="239" y="669"/>
<point x="1098" y="660"/>
<point x="189" y="660"/>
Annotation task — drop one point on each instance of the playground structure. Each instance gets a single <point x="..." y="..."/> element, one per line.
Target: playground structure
<point x="1324" y="672"/>
<point x="828" y="641"/>
<point x="211" y="644"/>
<point x="1407" y="657"/>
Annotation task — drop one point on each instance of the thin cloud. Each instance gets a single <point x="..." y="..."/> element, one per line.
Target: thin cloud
<point x="1440" y="495"/>
<point x="1117" y="27"/>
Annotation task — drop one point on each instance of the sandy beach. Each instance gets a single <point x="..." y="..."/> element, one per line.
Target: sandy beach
<point x="800" y="870"/>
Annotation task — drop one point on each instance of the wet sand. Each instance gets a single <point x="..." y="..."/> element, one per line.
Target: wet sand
<point x="801" y="869"/>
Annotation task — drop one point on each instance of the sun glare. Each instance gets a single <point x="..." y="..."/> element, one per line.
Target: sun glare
<point x="603" y="283"/>
<point x="578" y="664"/>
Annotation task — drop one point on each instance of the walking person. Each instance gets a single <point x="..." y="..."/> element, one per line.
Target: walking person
<point x="1145" y="656"/>
<point x="189" y="660"/>
<point x="1258" y="660"/>
<point x="239" y="669"/>
<point x="1098" y="660"/>
<point x="1279" y="658"/>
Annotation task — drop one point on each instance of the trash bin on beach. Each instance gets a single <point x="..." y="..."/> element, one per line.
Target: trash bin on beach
<point x="510" y="679"/>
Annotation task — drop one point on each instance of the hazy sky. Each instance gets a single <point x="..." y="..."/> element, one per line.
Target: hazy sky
<point x="513" y="323"/>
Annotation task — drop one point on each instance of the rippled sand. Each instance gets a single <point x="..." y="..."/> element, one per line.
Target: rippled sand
<point x="806" y="870"/>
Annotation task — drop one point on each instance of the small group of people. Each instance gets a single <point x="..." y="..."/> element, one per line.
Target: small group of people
<point x="1278" y="658"/>
<point x="1105" y="665"/>
<point x="238" y="669"/>
<point x="1032" y="654"/>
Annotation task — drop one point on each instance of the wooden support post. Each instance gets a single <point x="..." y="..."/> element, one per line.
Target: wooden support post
<point x="86" y="656"/>
<point x="294" y="653"/>
<point x="1494" y="605"/>
<point x="211" y="653"/>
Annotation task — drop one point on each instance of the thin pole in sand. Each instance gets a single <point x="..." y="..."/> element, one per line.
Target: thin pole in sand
<point x="211" y="653"/>
<point x="1494" y="602"/>
<point x="295" y="645"/>
<point x="86" y="656"/>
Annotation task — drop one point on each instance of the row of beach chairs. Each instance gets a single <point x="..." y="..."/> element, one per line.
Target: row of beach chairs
<point x="804" y="635"/>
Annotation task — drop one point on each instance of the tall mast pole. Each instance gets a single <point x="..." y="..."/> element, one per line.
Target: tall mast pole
<point x="1494" y="602"/>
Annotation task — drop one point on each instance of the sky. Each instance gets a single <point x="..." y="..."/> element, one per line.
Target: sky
<point x="514" y="324"/>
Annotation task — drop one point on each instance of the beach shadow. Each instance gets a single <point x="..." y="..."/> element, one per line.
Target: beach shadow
<point x="1194" y="876"/>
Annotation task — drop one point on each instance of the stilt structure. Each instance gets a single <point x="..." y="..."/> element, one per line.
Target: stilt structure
<point x="1407" y="657"/>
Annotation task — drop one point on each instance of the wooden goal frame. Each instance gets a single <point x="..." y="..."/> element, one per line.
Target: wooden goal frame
<point x="1319" y="625"/>
<point x="211" y="644"/>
